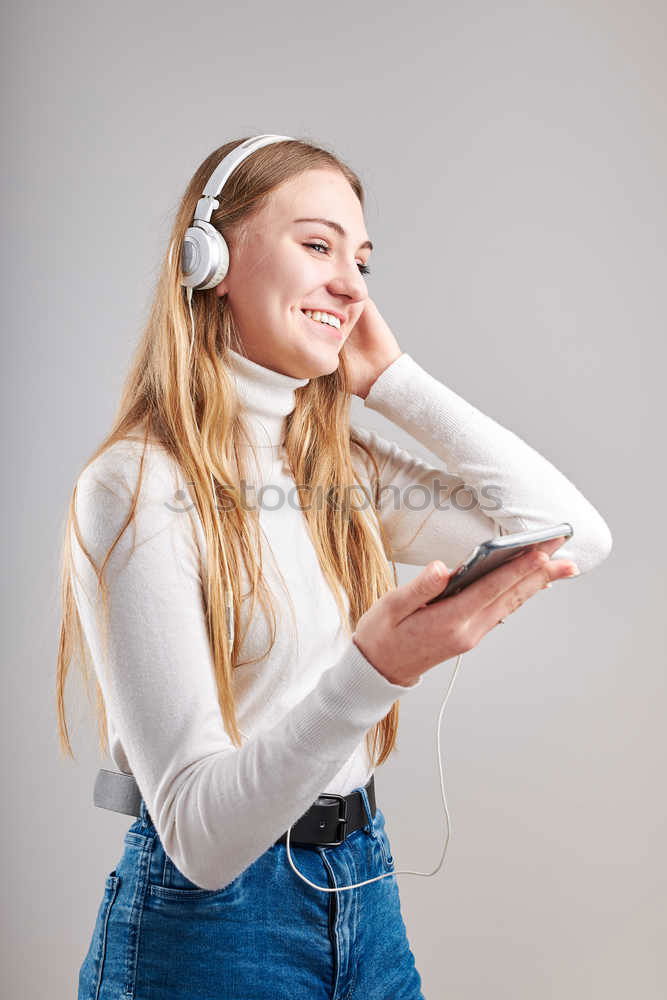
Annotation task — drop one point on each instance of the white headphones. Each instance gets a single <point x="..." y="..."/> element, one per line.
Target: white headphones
<point x="205" y="254"/>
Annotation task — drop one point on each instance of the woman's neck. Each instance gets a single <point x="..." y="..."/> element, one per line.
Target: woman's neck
<point x="267" y="396"/>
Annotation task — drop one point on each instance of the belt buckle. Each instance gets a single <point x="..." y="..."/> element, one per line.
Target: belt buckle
<point x="342" y="819"/>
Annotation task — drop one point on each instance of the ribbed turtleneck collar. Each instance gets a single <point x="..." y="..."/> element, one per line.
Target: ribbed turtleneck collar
<point x="267" y="397"/>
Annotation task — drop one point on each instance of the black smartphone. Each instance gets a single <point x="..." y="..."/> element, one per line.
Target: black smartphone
<point x="489" y="555"/>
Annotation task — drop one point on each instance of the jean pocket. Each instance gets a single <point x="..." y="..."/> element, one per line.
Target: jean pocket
<point x="177" y="887"/>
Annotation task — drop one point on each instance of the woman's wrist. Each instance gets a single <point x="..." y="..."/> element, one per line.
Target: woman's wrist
<point x="402" y="681"/>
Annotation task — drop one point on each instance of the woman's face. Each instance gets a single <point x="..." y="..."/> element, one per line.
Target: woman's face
<point x="274" y="275"/>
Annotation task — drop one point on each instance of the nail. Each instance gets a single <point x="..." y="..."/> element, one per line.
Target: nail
<point x="574" y="570"/>
<point x="549" y="584"/>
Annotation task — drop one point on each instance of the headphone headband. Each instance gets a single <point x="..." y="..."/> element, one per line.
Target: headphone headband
<point x="227" y="165"/>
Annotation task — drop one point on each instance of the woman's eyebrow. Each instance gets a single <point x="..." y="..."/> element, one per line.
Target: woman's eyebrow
<point x="339" y="229"/>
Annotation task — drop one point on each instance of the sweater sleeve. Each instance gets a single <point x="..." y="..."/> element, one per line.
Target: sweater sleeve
<point x="216" y="808"/>
<point x="491" y="482"/>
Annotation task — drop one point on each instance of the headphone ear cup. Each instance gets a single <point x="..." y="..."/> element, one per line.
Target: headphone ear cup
<point x="204" y="257"/>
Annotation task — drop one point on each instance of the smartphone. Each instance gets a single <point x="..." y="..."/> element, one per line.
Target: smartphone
<point x="489" y="555"/>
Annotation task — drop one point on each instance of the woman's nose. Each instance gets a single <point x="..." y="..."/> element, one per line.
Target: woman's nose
<point x="349" y="281"/>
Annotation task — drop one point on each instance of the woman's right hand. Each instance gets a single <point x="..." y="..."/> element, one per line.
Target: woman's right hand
<point x="403" y="637"/>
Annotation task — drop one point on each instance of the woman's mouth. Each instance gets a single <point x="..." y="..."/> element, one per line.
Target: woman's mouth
<point x="324" y="328"/>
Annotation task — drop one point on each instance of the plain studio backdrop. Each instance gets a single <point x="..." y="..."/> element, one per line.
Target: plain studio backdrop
<point x="514" y="158"/>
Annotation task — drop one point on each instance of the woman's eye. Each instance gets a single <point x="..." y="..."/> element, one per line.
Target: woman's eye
<point x="363" y="268"/>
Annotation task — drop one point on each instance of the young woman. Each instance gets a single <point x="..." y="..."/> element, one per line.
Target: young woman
<point x="229" y="572"/>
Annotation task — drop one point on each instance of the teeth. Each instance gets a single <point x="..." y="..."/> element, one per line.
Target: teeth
<point x="323" y="317"/>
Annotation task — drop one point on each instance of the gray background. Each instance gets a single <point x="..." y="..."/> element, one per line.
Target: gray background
<point x="515" y="161"/>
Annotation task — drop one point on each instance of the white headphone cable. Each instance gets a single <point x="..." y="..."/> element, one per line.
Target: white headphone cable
<point x="405" y="871"/>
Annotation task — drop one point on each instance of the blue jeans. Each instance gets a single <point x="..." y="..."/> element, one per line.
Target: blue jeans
<point x="267" y="934"/>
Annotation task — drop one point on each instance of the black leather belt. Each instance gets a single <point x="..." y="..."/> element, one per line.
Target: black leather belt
<point x="327" y="823"/>
<point x="331" y="819"/>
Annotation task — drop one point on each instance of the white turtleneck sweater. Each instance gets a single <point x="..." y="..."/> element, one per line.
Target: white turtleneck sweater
<point x="305" y="709"/>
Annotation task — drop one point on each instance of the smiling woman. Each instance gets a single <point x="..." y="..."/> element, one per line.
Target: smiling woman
<point x="275" y="272"/>
<point x="229" y="644"/>
<point x="220" y="639"/>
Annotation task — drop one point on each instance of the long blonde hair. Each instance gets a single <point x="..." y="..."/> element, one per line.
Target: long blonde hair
<point x="188" y="404"/>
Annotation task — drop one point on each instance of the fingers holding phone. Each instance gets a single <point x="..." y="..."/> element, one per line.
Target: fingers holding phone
<point x="501" y="592"/>
<point x="412" y="629"/>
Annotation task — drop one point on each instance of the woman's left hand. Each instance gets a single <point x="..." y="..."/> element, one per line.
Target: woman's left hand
<point x="369" y="349"/>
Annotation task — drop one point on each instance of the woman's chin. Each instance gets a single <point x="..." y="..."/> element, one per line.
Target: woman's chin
<point x="319" y="359"/>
